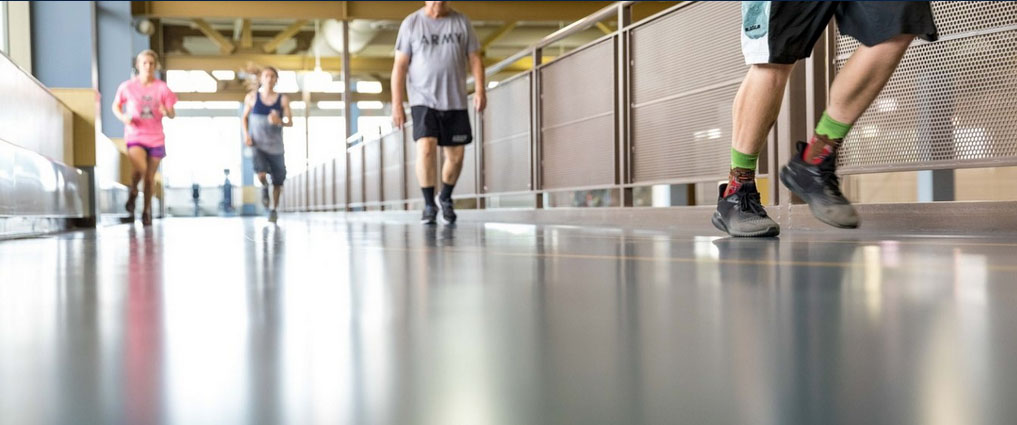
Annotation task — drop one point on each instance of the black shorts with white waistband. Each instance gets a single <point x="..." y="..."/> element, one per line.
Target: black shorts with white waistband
<point x="451" y="128"/>
<point x="785" y="31"/>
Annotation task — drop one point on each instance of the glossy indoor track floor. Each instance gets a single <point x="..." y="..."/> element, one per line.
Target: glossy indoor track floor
<point x="319" y="320"/>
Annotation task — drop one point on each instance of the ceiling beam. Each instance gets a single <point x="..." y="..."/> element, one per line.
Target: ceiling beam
<point x="360" y="65"/>
<point x="496" y="35"/>
<point x="242" y="9"/>
<point x="225" y="45"/>
<point x="239" y="96"/>
<point x="284" y="35"/>
<point x="604" y="28"/>
<point x="384" y="10"/>
<point x="246" y="37"/>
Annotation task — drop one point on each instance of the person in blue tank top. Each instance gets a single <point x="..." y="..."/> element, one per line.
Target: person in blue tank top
<point x="265" y="114"/>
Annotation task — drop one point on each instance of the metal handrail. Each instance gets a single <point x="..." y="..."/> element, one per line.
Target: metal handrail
<point x="573" y="28"/>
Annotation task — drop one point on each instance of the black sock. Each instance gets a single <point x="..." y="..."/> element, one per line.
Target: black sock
<point x="446" y="191"/>
<point x="428" y="195"/>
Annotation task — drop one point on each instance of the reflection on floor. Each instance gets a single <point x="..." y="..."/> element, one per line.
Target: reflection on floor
<point x="319" y="320"/>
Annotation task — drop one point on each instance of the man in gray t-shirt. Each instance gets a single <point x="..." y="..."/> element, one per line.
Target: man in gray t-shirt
<point x="434" y="48"/>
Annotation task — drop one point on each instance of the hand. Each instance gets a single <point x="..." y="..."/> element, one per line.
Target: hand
<point x="398" y="116"/>
<point x="162" y="110"/>
<point x="248" y="140"/>
<point x="480" y="101"/>
<point x="273" y="118"/>
<point x="126" y="119"/>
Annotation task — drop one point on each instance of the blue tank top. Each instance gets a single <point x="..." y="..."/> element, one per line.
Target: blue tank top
<point x="261" y="109"/>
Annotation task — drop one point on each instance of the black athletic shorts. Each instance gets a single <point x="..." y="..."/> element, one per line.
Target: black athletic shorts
<point x="274" y="165"/>
<point x="451" y="128"/>
<point x="784" y="32"/>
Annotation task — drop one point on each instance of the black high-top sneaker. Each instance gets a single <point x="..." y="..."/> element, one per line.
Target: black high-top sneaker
<point x="742" y="214"/>
<point x="819" y="186"/>
<point x="448" y="214"/>
<point x="430" y="214"/>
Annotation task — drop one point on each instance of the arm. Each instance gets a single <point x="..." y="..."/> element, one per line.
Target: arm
<point x="118" y="107"/>
<point x="248" y="101"/>
<point x="119" y="112"/>
<point x="480" y="86"/>
<point x="287" y="112"/>
<point x="167" y="104"/>
<point x="400" y="66"/>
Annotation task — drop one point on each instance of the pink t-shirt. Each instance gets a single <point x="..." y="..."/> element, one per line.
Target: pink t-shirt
<point x="143" y="108"/>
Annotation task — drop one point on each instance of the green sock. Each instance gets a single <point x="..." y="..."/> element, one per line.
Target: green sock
<point x="831" y="128"/>
<point x="743" y="160"/>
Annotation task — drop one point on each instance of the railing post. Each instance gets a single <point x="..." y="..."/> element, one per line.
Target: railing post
<point x="623" y="148"/>
<point x="535" y="133"/>
<point x="347" y="110"/>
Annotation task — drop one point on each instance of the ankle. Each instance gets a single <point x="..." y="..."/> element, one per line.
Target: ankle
<point x="819" y="148"/>
<point x="737" y="177"/>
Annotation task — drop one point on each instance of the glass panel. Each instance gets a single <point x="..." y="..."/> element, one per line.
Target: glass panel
<point x="198" y="149"/>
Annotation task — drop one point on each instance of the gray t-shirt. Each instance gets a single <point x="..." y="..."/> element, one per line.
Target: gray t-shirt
<point x="439" y="57"/>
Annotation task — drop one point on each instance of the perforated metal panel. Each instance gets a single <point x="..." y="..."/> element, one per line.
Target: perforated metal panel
<point x="392" y="166"/>
<point x="340" y="181"/>
<point x="372" y="171"/>
<point x="577" y="118"/>
<point x="686" y="69"/>
<point x="356" y="174"/>
<point x="467" y="184"/>
<point x="507" y="162"/>
<point x="317" y="189"/>
<point x="329" y="184"/>
<point x="950" y="104"/>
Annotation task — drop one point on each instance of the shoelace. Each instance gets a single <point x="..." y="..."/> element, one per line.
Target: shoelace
<point x="751" y="202"/>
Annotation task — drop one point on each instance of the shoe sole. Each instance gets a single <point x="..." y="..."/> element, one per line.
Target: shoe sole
<point x="768" y="232"/>
<point x="790" y="184"/>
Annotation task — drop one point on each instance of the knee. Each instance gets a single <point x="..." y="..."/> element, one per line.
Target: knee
<point x="427" y="152"/>
<point x="900" y="42"/>
<point x="775" y="73"/>
<point x="139" y="173"/>
<point x="455" y="159"/>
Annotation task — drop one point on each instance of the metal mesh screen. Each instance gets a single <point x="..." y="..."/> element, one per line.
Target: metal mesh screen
<point x="686" y="69"/>
<point x="340" y="181"/>
<point x="950" y="103"/>
<point x="412" y="187"/>
<point x="372" y="171"/>
<point x="507" y="137"/>
<point x="577" y="118"/>
<point x="356" y="174"/>
<point x="329" y="183"/>
<point x="467" y="184"/>
<point x="392" y="163"/>
<point x="319" y="183"/>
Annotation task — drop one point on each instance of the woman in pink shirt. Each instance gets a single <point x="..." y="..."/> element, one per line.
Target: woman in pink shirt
<point x="147" y="100"/>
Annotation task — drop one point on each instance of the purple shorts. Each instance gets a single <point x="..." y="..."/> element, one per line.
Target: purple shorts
<point x="156" y="152"/>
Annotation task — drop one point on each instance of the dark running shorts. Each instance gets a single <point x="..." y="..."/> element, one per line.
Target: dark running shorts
<point x="784" y="32"/>
<point x="156" y="152"/>
<point x="274" y="165"/>
<point x="451" y="128"/>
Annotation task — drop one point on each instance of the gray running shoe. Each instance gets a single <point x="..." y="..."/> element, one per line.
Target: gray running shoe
<point x="819" y="187"/>
<point x="742" y="213"/>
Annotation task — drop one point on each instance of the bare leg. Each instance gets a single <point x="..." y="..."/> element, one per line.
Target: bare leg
<point x="139" y="164"/>
<point x="757" y="104"/>
<point x="276" y="193"/>
<point x="427" y="148"/>
<point x="453" y="164"/>
<point x="153" y="167"/>
<point x="263" y="178"/>
<point x="864" y="76"/>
